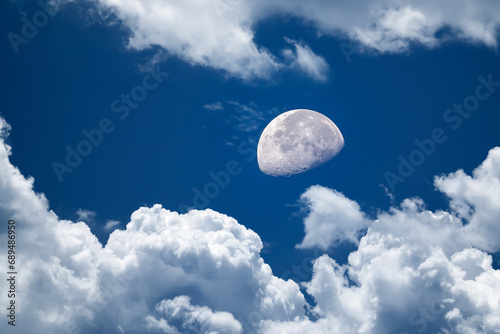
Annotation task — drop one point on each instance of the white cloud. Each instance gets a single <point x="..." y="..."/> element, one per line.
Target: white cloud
<point x="221" y="33"/>
<point x="85" y="215"/>
<point x="477" y="199"/>
<point x="394" y="29"/>
<point x="194" y="319"/>
<point x="401" y="289"/>
<point x="4" y="129"/>
<point x="332" y="218"/>
<point x="247" y="117"/>
<point x="307" y="61"/>
<point x="391" y="26"/>
<point x="111" y="224"/>
<point x="213" y="106"/>
<point x="413" y="271"/>
<point x="217" y="33"/>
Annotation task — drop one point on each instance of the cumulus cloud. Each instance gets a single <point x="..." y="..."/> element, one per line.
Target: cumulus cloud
<point x="401" y="288"/>
<point x="194" y="319"/>
<point x="476" y="198"/>
<point x="72" y="283"/>
<point x="221" y="33"/>
<point x="414" y="270"/>
<point x="332" y="218"/>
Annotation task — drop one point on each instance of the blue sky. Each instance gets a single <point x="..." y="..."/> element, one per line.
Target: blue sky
<point x="203" y="80"/>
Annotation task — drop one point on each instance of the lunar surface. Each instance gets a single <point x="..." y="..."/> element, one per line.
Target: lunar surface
<point x="296" y="141"/>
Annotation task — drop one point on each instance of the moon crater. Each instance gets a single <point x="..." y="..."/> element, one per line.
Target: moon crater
<point x="296" y="141"/>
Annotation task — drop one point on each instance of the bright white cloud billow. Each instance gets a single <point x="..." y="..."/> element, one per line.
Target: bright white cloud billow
<point x="476" y="198"/>
<point x="194" y="318"/>
<point x="414" y="271"/>
<point x="332" y="218"/>
<point x="221" y="33"/>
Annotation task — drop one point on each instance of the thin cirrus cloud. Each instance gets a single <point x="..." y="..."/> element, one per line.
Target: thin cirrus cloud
<point x="305" y="60"/>
<point x="202" y="271"/>
<point x="85" y="215"/>
<point x="213" y="106"/>
<point x="220" y="34"/>
<point x="111" y="224"/>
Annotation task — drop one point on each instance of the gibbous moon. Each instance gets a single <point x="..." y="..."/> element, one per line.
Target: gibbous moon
<point x="297" y="141"/>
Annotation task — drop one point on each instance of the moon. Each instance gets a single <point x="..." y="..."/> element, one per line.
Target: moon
<point x="296" y="141"/>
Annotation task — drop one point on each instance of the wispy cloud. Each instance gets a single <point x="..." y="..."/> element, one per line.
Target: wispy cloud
<point x="111" y="224"/>
<point x="213" y="106"/>
<point x="248" y="119"/>
<point x="305" y="60"/>
<point x="85" y="215"/>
